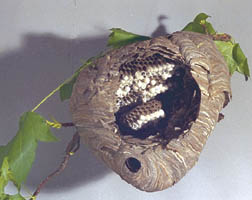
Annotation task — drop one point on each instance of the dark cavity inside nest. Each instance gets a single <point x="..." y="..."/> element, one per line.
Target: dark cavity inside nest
<point x="180" y="103"/>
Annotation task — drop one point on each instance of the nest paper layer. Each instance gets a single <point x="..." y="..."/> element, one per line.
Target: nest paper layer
<point x="93" y="105"/>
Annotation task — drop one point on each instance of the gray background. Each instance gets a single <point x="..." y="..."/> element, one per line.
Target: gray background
<point x="43" y="42"/>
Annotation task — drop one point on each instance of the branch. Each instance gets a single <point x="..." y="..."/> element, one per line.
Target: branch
<point x="72" y="147"/>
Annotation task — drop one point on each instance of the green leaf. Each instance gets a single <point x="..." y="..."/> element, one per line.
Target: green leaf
<point x="194" y="27"/>
<point x="11" y="197"/>
<point x="15" y="197"/>
<point x="234" y="57"/>
<point x="67" y="88"/>
<point x="200" y="18"/>
<point x="238" y="54"/>
<point x="22" y="148"/>
<point x="241" y="60"/>
<point x="244" y="69"/>
<point x="5" y="176"/>
<point x="200" y="25"/>
<point x="209" y="28"/>
<point x="119" y="38"/>
<point x="226" y="49"/>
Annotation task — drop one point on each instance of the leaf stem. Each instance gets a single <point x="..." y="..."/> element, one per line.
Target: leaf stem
<point x="87" y="63"/>
<point x="53" y="92"/>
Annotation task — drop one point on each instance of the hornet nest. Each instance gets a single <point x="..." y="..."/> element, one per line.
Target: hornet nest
<point x="147" y="109"/>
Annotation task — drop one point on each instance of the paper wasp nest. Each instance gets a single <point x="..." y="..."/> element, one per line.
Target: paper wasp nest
<point x="147" y="109"/>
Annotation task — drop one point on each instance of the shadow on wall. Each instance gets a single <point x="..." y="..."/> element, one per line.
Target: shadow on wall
<point x="161" y="29"/>
<point x="30" y="72"/>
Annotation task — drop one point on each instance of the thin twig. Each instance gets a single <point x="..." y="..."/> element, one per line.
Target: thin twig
<point x="72" y="147"/>
<point x="67" y="124"/>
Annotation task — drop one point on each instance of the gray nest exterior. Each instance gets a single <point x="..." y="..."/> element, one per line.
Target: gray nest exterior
<point x="155" y="153"/>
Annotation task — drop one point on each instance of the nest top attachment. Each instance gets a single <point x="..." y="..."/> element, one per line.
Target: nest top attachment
<point x="147" y="109"/>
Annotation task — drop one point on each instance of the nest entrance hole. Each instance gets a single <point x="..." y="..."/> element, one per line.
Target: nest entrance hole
<point x="133" y="164"/>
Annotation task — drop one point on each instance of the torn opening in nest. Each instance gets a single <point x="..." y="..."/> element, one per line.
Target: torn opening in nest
<point x="162" y="104"/>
